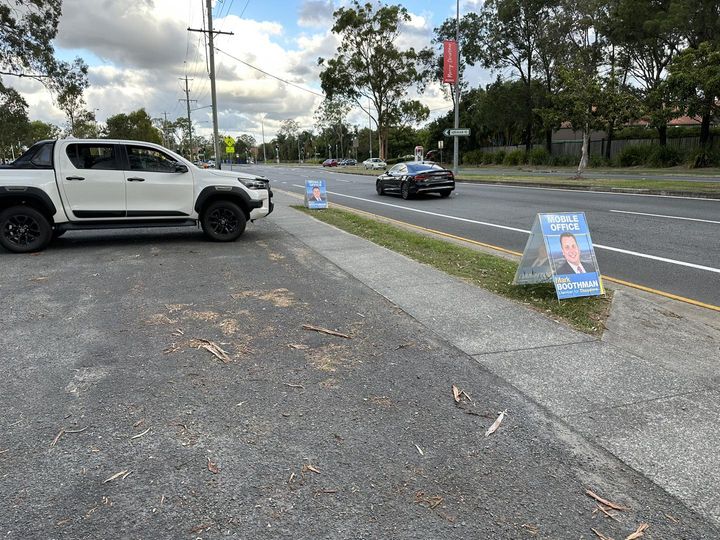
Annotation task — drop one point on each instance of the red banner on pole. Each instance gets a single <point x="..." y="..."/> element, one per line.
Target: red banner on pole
<point x="450" y="64"/>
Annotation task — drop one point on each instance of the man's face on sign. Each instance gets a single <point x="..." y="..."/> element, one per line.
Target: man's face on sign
<point x="316" y="192"/>
<point x="570" y="250"/>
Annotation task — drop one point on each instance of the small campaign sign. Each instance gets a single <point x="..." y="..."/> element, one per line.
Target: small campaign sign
<point x="315" y="194"/>
<point x="560" y="250"/>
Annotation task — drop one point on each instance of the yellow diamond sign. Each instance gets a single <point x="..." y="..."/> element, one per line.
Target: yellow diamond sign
<point x="229" y="141"/>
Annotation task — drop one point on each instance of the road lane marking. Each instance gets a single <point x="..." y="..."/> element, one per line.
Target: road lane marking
<point x="664" y="216"/>
<point x="514" y="229"/>
<point x="476" y="184"/>
<point x="518" y="254"/>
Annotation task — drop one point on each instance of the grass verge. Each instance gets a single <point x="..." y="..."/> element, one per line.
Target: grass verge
<point x="487" y="271"/>
<point x="667" y="185"/>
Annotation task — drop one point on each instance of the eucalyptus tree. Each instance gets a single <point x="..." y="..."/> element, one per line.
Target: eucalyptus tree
<point x="331" y="115"/>
<point x="648" y="36"/>
<point x="521" y="36"/>
<point x="27" y="30"/>
<point x="371" y="70"/>
<point x="694" y="79"/>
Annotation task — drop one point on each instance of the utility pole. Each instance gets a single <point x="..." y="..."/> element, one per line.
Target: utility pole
<point x="456" y="152"/>
<point x="211" y="56"/>
<point x="262" y="126"/>
<point x="187" y="100"/>
<point x="164" y="130"/>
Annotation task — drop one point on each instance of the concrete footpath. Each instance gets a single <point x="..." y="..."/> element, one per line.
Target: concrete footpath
<point x="647" y="392"/>
<point x="298" y="384"/>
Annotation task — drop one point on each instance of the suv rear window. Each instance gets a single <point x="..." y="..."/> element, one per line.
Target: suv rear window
<point x="93" y="156"/>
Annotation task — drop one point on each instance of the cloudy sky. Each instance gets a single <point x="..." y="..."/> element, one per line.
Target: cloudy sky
<point x="139" y="50"/>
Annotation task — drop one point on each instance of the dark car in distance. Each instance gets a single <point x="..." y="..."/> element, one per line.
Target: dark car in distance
<point x="330" y="163"/>
<point x="414" y="177"/>
<point x="348" y="161"/>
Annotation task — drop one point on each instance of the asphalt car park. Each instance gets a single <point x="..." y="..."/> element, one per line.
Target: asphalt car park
<point x="168" y="387"/>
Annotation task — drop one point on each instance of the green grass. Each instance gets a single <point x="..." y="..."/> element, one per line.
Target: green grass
<point x="668" y="185"/>
<point x="487" y="271"/>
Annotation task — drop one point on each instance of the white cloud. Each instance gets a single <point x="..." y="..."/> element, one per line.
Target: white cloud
<point x="316" y="13"/>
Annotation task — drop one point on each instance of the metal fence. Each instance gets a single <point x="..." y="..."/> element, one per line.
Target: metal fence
<point x="597" y="147"/>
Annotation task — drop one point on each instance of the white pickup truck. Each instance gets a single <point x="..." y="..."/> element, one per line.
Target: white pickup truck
<point x="75" y="184"/>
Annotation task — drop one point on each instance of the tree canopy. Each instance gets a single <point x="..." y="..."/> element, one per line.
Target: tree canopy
<point x="369" y="68"/>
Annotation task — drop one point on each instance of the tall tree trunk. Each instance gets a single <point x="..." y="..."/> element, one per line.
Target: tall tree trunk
<point x="548" y="140"/>
<point x="529" y="126"/>
<point x="662" y="134"/>
<point x="705" y="130"/>
<point x="585" y="145"/>
<point x="608" y="146"/>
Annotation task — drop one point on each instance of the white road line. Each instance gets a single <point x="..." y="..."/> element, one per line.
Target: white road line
<point x="495" y="225"/>
<point x="474" y="184"/>
<point x="664" y="216"/>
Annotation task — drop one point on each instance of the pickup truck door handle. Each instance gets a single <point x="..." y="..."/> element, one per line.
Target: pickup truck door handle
<point x="71" y="178"/>
<point x="135" y="179"/>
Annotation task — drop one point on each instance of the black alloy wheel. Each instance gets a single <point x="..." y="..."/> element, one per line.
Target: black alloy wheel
<point x="379" y="188"/>
<point x="24" y="229"/>
<point x="405" y="190"/>
<point x="223" y="221"/>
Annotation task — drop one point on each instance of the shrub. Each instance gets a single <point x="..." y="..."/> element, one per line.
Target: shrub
<point x="564" y="161"/>
<point x="516" y="157"/>
<point x="499" y="157"/>
<point x="538" y="156"/>
<point x="598" y="161"/>
<point x="663" y="156"/>
<point x="634" y="155"/>
<point x="488" y="158"/>
<point x="704" y="158"/>
<point x="473" y="156"/>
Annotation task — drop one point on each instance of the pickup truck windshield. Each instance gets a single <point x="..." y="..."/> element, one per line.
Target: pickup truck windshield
<point x="38" y="156"/>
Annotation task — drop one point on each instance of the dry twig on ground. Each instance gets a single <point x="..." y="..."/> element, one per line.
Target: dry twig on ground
<point x="325" y="331"/>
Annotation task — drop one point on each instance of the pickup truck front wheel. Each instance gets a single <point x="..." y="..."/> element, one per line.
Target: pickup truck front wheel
<point x="24" y="229"/>
<point x="223" y="221"/>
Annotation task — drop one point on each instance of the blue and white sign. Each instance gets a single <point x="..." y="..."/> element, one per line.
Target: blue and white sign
<point x="560" y="250"/>
<point x="315" y="194"/>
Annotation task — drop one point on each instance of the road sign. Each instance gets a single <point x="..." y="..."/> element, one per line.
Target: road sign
<point x="462" y="132"/>
<point x="229" y="141"/>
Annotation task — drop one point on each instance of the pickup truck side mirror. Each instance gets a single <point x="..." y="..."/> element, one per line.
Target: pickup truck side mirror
<point x="180" y="168"/>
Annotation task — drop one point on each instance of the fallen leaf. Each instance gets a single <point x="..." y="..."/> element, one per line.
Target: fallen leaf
<point x="311" y="469"/>
<point x="671" y="518"/>
<point x="456" y="393"/>
<point x="496" y="424"/>
<point x="639" y="532"/>
<point x="212" y="467"/>
<point x="3" y="451"/>
<point x="420" y="450"/>
<point x="294" y="385"/>
<point x="139" y="422"/>
<point x="601" y="508"/>
<point x="325" y="331"/>
<point x="599" y="499"/>
<point x="57" y="437"/>
<point x="212" y="348"/>
<point x="39" y="278"/>
<point x="532" y="529"/>
<point x="116" y="475"/>
<point x="600" y="535"/>
<point x="298" y="346"/>
<point x="139" y="434"/>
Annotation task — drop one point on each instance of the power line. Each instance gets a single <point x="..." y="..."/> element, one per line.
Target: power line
<point x="270" y="74"/>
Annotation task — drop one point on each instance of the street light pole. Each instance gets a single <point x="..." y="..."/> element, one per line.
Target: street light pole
<point x="262" y="126"/>
<point x="456" y="152"/>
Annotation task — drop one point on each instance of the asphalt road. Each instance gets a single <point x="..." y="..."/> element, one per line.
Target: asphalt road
<point x="665" y="243"/>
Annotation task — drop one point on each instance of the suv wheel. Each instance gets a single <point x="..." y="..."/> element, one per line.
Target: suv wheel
<point x="24" y="229"/>
<point x="223" y="221"/>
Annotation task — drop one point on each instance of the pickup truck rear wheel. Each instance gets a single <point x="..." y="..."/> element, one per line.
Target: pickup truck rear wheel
<point x="24" y="229"/>
<point x="223" y="221"/>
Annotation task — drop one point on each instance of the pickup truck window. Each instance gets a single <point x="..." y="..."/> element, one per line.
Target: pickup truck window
<point x="150" y="160"/>
<point x="93" y="156"/>
<point x="38" y="156"/>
